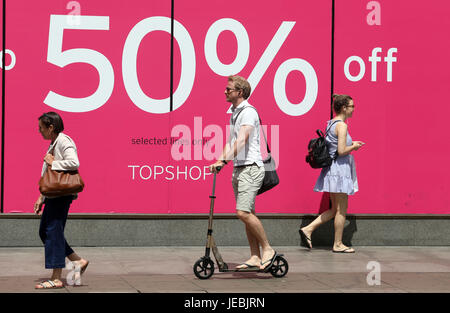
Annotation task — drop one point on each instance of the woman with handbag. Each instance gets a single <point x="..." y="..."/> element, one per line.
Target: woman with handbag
<point x="62" y="157"/>
<point x="339" y="179"/>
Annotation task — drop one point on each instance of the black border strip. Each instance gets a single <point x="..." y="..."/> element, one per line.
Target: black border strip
<point x="3" y="104"/>
<point x="172" y="17"/>
<point x="333" y="7"/>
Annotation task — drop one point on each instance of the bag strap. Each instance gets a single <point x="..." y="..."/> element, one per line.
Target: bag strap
<point x="54" y="144"/>
<point x="320" y="132"/>
<point x="52" y="149"/>
<point x="326" y="133"/>
<point x="260" y="124"/>
<point x="329" y="128"/>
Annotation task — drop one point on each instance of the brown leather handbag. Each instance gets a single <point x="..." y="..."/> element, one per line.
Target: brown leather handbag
<point x="60" y="183"/>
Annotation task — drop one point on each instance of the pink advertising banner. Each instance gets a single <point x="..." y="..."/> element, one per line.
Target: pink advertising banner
<point x="144" y="144"/>
<point x="392" y="57"/>
<point x="2" y="72"/>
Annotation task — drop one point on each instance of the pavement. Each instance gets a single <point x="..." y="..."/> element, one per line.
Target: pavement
<point x="169" y="270"/>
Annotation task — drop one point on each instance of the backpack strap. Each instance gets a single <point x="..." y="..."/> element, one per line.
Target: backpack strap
<point x="326" y="133"/>
<point x="329" y="128"/>
<point x="260" y="123"/>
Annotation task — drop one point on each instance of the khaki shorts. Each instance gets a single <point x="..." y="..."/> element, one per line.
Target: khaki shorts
<point x="246" y="182"/>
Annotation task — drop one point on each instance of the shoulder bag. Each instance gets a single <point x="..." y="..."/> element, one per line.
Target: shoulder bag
<point x="271" y="178"/>
<point x="60" y="183"/>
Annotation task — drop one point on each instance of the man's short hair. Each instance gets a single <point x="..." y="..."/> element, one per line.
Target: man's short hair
<point x="240" y="83"/>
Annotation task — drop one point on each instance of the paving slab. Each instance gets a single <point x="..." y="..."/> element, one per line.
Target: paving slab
<point x="169" y="270"/>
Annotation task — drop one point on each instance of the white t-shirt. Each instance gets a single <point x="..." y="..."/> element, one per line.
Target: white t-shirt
<point x="251" y="153"/>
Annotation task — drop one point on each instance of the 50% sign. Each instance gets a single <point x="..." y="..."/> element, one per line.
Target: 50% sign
<point x="55" y="55"/>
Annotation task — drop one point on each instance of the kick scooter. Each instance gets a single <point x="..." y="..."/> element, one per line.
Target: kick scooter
<point x="204" y="267"/>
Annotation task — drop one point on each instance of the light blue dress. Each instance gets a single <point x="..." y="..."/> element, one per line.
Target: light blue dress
<point x="340" y="176"/>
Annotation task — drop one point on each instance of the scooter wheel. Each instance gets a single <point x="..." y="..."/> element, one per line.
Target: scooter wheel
<point x="204" y="268"/>
<point x="280" y="267"/>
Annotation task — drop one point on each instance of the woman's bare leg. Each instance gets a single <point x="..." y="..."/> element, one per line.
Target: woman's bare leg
<point x="339" y="222"/>
<point x="322" y="218"/>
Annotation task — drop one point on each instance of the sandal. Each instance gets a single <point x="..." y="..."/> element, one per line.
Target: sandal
<point x="305" y="240"/>
<point x="246" y="266"/>
<point x="346" y="250"/>
<point x="83" y="269"/>
<point x="51" y="285"/>
<point x="266" y="267"/>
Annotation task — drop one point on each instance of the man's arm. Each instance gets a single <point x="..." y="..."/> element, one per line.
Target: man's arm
<point x="231" y="151"/>
<point x="242" y="139"/>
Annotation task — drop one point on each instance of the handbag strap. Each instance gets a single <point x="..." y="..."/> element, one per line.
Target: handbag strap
<point x="260" y="124"/>
<point x="52" y="149"/>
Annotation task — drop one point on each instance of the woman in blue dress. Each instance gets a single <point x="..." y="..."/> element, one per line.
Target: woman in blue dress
<point x="339" y="179"/>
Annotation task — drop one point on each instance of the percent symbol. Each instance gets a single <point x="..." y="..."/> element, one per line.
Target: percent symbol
<point x="243" y="51"/>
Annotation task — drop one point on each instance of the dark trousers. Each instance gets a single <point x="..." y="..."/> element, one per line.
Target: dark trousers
<point x="51" y="231"/>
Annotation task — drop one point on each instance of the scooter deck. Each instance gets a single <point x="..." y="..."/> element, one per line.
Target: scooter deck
<point x="242" y="270"/>
<point x="223" y="268"/>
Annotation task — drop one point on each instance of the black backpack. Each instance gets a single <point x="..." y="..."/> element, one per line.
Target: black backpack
<point x="318" y="155"/>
